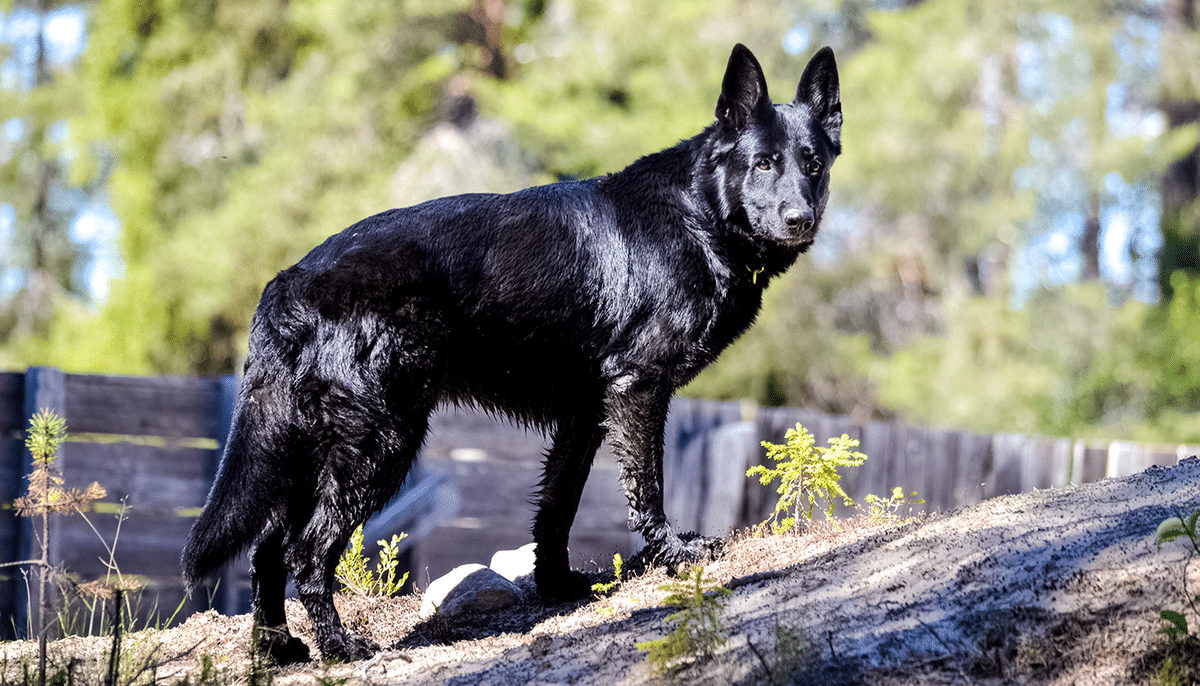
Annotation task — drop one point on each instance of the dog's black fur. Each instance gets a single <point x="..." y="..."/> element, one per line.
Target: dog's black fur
<point x="579" y="307"/>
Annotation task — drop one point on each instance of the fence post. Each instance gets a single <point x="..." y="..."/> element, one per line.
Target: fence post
<point x="45" y="389"/>
<point x="227" y="599"/>
<point x="229" y="391"/>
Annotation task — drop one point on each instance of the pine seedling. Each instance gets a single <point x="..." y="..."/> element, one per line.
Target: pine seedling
<point x="807" y="474"/>
<point x="880" y="509"/>
<point x="1172" y="528"/>
<point x="605" y="589"/>
<point x="356" y="576"/>
<point x="699" y="628"/>
<point x="47" y="495"/>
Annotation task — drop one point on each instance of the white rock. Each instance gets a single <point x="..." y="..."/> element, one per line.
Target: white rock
<point x="468" y="588"/>
<point x="514" y="564"/>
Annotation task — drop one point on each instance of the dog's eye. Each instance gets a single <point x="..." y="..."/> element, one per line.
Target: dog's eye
<point x="814" y="167"/>
<point x="764" y="165"/>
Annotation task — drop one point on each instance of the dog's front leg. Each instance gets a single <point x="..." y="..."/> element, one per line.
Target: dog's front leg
<point x="636" y="420"/>
<point x="576" y="439"/>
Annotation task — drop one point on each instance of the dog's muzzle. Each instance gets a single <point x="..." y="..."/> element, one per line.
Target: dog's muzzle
<point x="798" y="221"/>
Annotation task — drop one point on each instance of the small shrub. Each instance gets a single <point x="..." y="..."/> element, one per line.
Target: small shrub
<point x="807" y="474"/>
<point x="1170" y="529"/>
<point x="259" y="672"/>
<point x="605" y="589"/>
<point x="46" y="496"/>
<point x="327" y="679"/>
<point x="1180" y="652"/>
<point x="699" y="628"/>
<point x="880" y="509"/>
<point x="1169" y="674"/>
<point x="357" y="578"/>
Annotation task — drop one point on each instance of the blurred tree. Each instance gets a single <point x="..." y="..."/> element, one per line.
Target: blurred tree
<point x="934" y="161"/>
<point x="39" y="265"/>
<point x="992" y="141"/>
<point x="589" y="95"/>
<point x="977" y="138"/>
<point x="1181" y="180"/>
<point x="242" y="134"/>
<point x="1011" y="126"/>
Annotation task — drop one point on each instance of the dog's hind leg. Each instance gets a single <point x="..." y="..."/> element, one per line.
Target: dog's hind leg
<point x="268" y="582"/>
<point x="358" y="479"/>
<point x="321" y="544"/>
<point x="376" y="359"/>
<point x="381" y="422"/>
<point x="636" y="419"/>
<point x="568" y="463"/>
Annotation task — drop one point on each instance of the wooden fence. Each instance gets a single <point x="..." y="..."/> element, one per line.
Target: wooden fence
<point x="711" y="444"/>
<point x="154" y="444"/>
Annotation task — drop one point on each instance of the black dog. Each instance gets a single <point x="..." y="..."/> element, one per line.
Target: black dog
<point x="578" y="307"/>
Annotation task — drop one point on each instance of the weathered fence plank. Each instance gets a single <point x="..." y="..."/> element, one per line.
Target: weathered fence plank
<point x="877" y="475"/>
<point x="491" y="468"/>
<point x="12" y="484"/>
<point x="155" y="480"/>
<point x="1125" y="457"/>
<point x="1052" y="462"/>
<point x="173" y="407"/>
<point x="941" y="471"/>
<point x="693" y="500"/>
<point x="1088" y="463"/>
<point x="45" y="389"/>
<point x="729" y="456"/>
<point x="12" y="403"/>
<point x="1005" y="477"/>
<point x="975" y="460"/>
<point x="915" y="476"/>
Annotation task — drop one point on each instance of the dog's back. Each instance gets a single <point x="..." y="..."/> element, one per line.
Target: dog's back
<point x="545" y="292"/>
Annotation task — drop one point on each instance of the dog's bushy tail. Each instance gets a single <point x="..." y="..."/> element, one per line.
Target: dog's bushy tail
<point x="243" y="499"/>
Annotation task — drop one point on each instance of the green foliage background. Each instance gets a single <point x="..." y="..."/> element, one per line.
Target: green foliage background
<point x="230" y="138"/>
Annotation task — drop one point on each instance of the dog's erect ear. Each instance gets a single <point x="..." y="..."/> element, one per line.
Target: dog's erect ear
<point x="743" y="90"/>
<point x="819" y="90"/>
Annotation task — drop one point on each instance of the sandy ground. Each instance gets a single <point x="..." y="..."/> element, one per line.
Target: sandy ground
<point x="1051" y="587"/>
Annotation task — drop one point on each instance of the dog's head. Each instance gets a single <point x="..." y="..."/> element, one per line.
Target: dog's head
<point x="775" y="159"/>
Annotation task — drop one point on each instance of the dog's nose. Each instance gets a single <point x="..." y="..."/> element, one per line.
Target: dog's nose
<point x="796" y="218"/>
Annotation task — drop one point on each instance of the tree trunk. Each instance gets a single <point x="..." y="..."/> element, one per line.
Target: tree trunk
<point x="1181" y="180"/>
<point x="37" y="301"/>
<point x="1090" y="245"/>
<point x="43" y="620"/>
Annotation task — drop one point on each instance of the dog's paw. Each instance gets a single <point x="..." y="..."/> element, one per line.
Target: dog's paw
<point x="679" y="553"/>
<point x="281" y="647"/>
<point x="348" y="647"/>
<point x="562" y="586"/>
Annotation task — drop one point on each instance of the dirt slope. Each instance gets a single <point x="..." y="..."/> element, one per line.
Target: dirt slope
<point x="1059" y="586"/>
